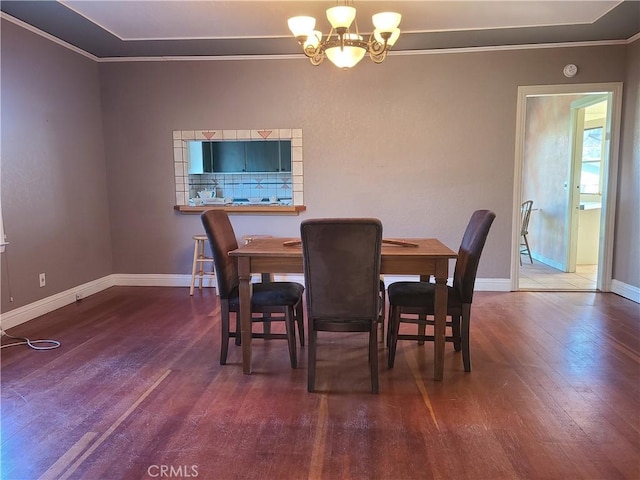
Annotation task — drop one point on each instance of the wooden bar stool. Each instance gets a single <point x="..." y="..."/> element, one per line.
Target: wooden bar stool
<point x="199" y="261"/>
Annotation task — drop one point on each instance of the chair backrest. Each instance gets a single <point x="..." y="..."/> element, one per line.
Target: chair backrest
<point x="222" y="239"/>
<point x="342" y="268"/>
<point x="525" y="211"/>
<point x="475" y="236"/>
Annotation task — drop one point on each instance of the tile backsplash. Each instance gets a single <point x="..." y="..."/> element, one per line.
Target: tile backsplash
<point x="243" y="185"/>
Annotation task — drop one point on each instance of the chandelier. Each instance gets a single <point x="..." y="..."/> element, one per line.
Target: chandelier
<point x="342" y="46"/>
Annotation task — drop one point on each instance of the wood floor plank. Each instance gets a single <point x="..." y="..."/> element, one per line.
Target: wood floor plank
<point x="136" y="386"/>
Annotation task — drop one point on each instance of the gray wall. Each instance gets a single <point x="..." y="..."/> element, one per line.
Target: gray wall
<point x="418" y="141"/>
<point x="54" y="190"/>
<point x="626" y="256"/>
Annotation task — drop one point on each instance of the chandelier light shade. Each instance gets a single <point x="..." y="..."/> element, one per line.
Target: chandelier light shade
<point x="301" y="26"/>
<point x="386" y="21"/>
<point x="348" y="55"/>
<point x="341" y="17"/>
<point x="342" y="46"/>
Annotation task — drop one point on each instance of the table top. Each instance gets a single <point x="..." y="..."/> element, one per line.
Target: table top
<point x="276" y="247"/>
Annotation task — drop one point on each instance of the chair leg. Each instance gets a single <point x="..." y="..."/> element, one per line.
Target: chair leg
<point x="224" y="341"/>
<point x="422" y="327"/>
<point x="238" y="331"/>
<point x="290" y="326"/>
<point x="466" y="320"/>
<point x="373" y="356"/>
<point x="266" y="324"/>
<point x="194" y="268"/>
<point x="389" y="327"/>
<point x="311" y="368"/>
<point x="383" y="299"/>
<point x="392" y="332"/>
<point x="300" y="321"/>
<point x="455" y="331"/>
<point x="526" y="242"/>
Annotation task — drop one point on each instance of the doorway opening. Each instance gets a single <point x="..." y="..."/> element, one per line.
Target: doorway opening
<point x="566" y="165"/>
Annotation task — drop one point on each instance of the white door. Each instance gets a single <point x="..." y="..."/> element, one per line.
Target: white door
<point x="591" y="131"/>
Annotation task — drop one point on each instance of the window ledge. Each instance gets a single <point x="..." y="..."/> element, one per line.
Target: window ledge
<point x="243" y="209"/>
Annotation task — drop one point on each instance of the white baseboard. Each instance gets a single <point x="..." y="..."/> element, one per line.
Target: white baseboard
<point x="492" y="285"/>
<point x="547" y="261"/>
<point x="625" y="290"/>
<point x="160" y="280"/>
<point x="482" y="284"/>
<point x="28" y="312"/>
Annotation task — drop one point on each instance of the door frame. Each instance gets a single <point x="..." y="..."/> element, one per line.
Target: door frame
<point x="610" y="175"/>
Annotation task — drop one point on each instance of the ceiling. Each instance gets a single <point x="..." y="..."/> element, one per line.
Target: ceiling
<point x="148" y="28"/>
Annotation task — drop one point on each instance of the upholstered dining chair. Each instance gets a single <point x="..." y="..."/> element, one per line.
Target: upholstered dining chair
<point x="413" y="302"/>
<point x="283" y="298"/>
<point x="342" y="280"/>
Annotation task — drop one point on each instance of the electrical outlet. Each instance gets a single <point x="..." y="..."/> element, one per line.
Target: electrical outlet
<point x="43" y="280"/>
<point x="78" y="297"/>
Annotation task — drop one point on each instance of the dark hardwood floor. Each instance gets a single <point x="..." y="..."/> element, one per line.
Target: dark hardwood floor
<point x="135" y="392"/>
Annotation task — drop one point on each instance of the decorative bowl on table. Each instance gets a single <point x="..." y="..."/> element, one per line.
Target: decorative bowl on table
<point x="255" y="199"/>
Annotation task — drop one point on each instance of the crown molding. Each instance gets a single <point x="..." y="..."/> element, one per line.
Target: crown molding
<point x="37" y="31"/>
<point x="634" y="38"/>
<point x="439" y="51"/>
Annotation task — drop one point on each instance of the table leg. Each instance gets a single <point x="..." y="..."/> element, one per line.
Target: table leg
<point x="440" y="317"/>
<point x="244" y="290"/>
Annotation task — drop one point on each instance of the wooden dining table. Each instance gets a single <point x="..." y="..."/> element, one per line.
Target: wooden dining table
<point x="400" y="256"/>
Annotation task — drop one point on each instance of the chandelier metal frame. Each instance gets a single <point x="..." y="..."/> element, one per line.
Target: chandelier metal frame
<point x="341" y="37"/>
<point x="377" y="51"/>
